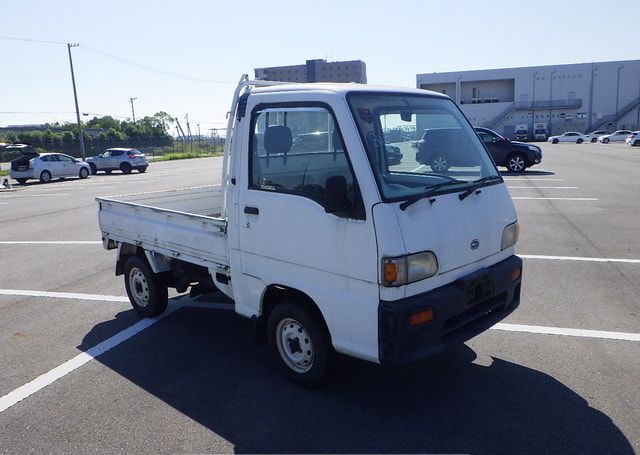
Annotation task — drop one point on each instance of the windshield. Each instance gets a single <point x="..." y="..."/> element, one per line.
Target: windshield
<point x="436" y="142"/>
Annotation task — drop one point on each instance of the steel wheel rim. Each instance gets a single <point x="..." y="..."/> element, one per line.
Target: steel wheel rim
<point x="294" y="345"/>
<point x="439" y="164"/>
<point x="516" y="164"/>
<point x="139" y="287"/>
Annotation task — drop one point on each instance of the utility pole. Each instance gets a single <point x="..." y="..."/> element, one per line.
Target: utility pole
<point x="75" y="97"/>
<point x="133" y="112"/>
<point x="533" y="103"/>
<point x="551" y="100"/>
<point x="593" y="74"/>
<point x="618" y="94"/>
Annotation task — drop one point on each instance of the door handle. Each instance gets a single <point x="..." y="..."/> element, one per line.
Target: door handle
<point x="251" y="210"/>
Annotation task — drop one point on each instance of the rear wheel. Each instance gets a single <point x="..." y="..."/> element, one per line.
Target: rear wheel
<point x="45" y="177"/>
<point x="637" y="142"/>
<point x="84" y="173"/>
<point x="125" y="168"/>
<point x="142" y="169"/>
<point x="555" y="141"/>
<point x="301" y="342"/>
<point x="94" y="169"/>
<point x="22" y="181"/>
<point x="517" y="163"/>
<point x="439" y="163"/>
<point x="146" y="290"/>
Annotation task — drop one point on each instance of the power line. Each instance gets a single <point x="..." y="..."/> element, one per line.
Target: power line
<point x="30" y="40"/>
<point x="149" y="68"/>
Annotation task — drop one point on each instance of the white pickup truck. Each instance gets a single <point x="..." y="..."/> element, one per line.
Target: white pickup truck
<point x="322" y="241"/>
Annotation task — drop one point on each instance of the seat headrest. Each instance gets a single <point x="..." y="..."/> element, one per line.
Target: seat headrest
<point x="277" y="139"/>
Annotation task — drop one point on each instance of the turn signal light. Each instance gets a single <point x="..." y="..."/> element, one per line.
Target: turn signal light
<point x="516" y="274"/>
<point x="390" y="272"/>
<point x="421" y="317"/>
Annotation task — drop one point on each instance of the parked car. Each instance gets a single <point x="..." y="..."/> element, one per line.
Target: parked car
<point x="47" y="166"/>
<point x="123" y="159"/>
<point x="616" y="136"/>
<point x="634" y="138"/>
<point x="515" y="156"/>
<point x="394" y="155"/>
<point x="596" y="134"/>
<point x="442" y="148"/>
<point x="569" y="136"/>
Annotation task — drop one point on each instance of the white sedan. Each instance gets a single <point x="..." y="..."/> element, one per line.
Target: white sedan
<point x="634" y="138"/>
<point x="617" y="136"/>
<point x="48" y="166"/>
<point x="569" y="136"/>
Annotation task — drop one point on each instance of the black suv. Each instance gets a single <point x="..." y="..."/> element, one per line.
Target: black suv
<point x="515" y="156"/>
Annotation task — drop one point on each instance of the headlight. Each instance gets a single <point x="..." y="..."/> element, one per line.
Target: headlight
<point x="510" y="235"/>
<point x="533" y="148"/>
<point x="408" y="269"/>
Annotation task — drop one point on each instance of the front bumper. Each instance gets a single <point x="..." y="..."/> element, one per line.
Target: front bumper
<point x="462" y="309"/>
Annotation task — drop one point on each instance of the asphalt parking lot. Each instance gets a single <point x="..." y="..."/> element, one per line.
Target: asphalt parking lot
<point x="80" y="372"/>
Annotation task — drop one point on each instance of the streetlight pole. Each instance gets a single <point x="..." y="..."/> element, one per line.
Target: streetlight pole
<point x="133" y="112"/>
<point x="593" y="74"/>
<point x="75" y="97"/>
<point x="618" y="94"/>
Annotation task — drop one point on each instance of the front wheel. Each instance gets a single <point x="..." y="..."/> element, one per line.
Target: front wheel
<point x="606" y="141"/>
<point x="555" y="141"/>
<point x="636" y="143"/>
<point x="147" y="292"/>
<point x="301" y="342"/>
<point x="125" y="168"/>
<point x="94" y="168"/>
<point x="439" y="164"/>
<point x="84" y="173"/>
<point x="45" y="177"/>
<point x="517" y="163"/>
<point x="594" y="139"/>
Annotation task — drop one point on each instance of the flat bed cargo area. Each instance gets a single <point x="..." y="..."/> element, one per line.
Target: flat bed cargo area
<point x="183" y="223"/>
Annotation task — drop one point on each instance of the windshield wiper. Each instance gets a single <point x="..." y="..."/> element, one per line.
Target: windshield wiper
<point x="476" y="184"/>
<point x="430" y="190"/>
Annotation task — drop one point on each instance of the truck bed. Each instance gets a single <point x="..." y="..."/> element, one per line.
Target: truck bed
<point x="183" y="223"/>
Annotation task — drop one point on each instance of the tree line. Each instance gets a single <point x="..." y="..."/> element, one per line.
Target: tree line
<point x="98" y="133"/>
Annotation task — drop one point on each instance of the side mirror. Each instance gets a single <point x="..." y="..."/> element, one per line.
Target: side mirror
<point x="335" y="195"/>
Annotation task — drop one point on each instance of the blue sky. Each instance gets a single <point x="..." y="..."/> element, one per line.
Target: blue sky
<point x="220" y="40"/>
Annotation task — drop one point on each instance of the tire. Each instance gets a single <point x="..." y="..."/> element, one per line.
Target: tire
<point x="594" y="139"/>
<point x="94" y="169"/>
<point x="108" y="171"/>
<point x="606" y="140"/>
<point x="439" y="163"/>
<point x="579" y="141"/>
<point x="517" y="163"/>
<point x="125" y="168"/>
<point x="22" y="181"/>
<point x="146" y="290"/>
<point x="555" y="141"/>
<point x="45" y="177"/>
<point x="636" y="143"/>
<point x="301" y="342"/>
<point x="142" y="170"/>
<point x="84" y="173"/>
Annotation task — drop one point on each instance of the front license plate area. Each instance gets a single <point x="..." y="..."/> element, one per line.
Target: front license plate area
<point x="478" y="289"/>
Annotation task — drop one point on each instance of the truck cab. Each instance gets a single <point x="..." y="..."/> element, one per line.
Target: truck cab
<point x="330" y="247"/>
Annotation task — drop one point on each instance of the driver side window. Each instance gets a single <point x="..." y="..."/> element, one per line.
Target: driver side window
<point x="297" y="150"/>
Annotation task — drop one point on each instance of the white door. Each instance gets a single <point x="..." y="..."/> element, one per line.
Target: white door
<point x="68" y="165"/>
<point x="56" y="166"/>
<point x="296" y="156"/>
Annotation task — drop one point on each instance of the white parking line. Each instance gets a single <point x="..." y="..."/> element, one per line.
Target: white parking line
<point x="555" y="198"/>
<point x="50" y="242"/>
<point x="568" y="332"/>
<point x="37" y="195"/>
<point x="63" y="295"/>
<point x="60" y="371"/>
<point x="418" y="168"/>
<point x="543" y="187"/>
<point x="580" y="259"/>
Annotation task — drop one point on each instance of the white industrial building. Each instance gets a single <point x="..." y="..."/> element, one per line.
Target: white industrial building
<point x="575" y="97"/>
